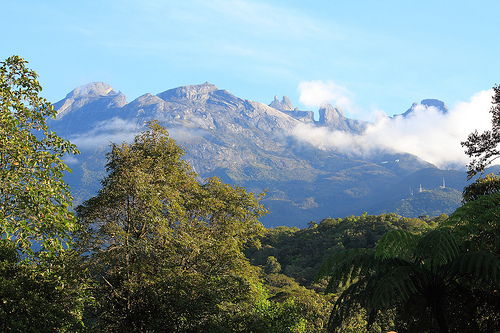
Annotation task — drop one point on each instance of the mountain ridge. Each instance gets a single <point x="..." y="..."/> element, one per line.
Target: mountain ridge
<point x="243" y="142"/>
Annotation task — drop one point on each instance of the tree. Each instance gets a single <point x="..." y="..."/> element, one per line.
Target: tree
<point x="41" y="287"/>
<point x="483" y="148"/>
<point x="165" y="249"/>
<point x="430" y="283"/>
<point x="34" y="199"/>
<point x="487" y="185"/>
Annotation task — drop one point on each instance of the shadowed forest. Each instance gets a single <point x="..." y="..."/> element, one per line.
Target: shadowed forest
<point x="159" y="250"/>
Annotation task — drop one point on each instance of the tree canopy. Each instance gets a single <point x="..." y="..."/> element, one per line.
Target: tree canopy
<point x="165" y="249"/>
<point x="34" y="199"/>
<point x="42" y="288"/>
<point x="482" y="148"/>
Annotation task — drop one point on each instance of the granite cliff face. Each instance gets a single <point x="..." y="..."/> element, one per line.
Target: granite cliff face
<point x="241" y="141"/>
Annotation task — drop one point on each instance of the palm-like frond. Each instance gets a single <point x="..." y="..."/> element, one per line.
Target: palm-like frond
<point x="478" y="266"/>
<point x="437" y="248"/>
<point x="393" y="285"/>
<point x="348" y="303"/>
<point x="379" y="291"/>
<point x="346" y="266"/>
<point x="407" y="268"/>
<point x="478" y="222"/>
<point x="397" y="244"/>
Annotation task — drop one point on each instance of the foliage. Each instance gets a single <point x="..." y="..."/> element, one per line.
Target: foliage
<point x="301" y="252"/>
<point x="40" y="296"/>
<point x="477" y="223"/>
<point x="34" y="199"/>
<point x="42" y="285"/>
<point x="482" y="186"/>
<point x="165" y="250"/>
<point x="427" y="280"/>
<point x="301" y="313"/>
<point x="482" y="148"/>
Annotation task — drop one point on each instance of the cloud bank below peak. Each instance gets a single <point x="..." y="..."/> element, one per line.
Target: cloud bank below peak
<point x="426" y="132"/>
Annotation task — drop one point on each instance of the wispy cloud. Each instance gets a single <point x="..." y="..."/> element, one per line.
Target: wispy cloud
<point x="427" y="133"/>
<point x="115" y="130"/>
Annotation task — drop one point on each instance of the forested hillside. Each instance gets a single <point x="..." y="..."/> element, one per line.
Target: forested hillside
<point x="301" y="252"/>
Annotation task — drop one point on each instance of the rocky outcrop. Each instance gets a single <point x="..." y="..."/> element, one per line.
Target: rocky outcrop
<point x="426" y="103"/>
<point x="97" y="96"/>
<point x="335" y="119"/>
<point x="188" y="92"/>
<point x="303" y="116"/>
<point x="284" y="105"/>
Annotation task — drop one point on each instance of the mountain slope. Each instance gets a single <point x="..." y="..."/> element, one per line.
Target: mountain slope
<point x="243" y="142"/>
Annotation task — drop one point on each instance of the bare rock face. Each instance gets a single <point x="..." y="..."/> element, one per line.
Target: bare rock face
<point x="335" y="119"/>
<point x="284" y="105"/>
<point x="330" y="116"/>
<point x="188" y="92"/>
<point x="88" y="94"/>
<point x="303" y="116"/>
<point x="85" y="106"/>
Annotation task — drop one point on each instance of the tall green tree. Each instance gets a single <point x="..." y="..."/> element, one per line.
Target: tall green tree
<point x="165" y="249"/>
<point x="41" y="287"/>
<point x="34" y="199"/>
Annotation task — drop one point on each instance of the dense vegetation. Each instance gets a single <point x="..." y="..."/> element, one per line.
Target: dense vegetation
<point x="158" y="250"/>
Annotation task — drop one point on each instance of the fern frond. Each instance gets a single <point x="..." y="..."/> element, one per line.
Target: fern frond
<point x="478" y="266"/>
<point x="477" y="217"/>
<point x="348" y="266"/>
<point x="356" y="296"/>
<point x="437" y="248"/>
<point x="336" y="259"/>
<point x="397" y="244"/>
<point x="376" y="292"/>
<point x="395" y="285"/>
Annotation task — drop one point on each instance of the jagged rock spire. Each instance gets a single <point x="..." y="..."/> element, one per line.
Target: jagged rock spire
<point x="284" y="105"/>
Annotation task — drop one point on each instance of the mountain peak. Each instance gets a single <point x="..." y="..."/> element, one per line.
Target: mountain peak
<point x="430" y="102"/>
<point x="188" y="91"/>
<point x="440" y="105"/>
<point x="93" y="89"/>
<point x="96" y="92"/>
<point x="328" y="114"/>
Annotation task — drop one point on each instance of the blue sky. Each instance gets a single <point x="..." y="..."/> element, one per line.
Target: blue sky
<point x="368" y="56"/>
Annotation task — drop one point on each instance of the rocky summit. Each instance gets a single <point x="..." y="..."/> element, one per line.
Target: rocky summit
<point x="253" y="145"/>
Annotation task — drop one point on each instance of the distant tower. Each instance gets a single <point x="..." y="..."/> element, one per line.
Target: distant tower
<point x="411" y="192"/>
<point x="444" y="185"/>
<point x="420" y="190"/>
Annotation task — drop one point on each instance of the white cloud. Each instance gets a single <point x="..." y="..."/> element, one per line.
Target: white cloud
<point x="117" y="130"/>
<point x="427" y="133"/>
<point x="314" y="94"/>
<point x="103" y="133"/>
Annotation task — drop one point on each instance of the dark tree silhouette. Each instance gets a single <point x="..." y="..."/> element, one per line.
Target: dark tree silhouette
<point x="483" y="148"/>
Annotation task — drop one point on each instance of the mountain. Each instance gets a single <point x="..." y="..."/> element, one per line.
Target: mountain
<point x="426" y="103"/>
<point x="249" y="144"/>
